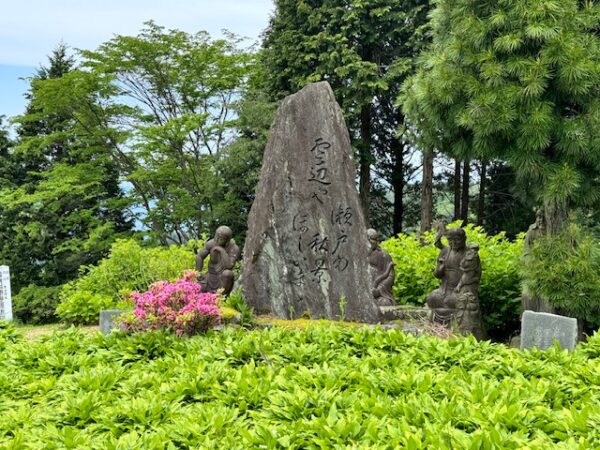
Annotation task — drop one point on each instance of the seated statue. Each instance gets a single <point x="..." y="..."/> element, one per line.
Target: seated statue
<point x="459" y="268"/>
<point x="382" y="270"/>
<point x="224" y="253"/>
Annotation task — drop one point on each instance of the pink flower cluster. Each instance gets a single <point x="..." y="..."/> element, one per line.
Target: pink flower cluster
<point x="180" y="307"/>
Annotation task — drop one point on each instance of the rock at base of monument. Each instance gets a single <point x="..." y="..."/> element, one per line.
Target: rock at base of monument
<point x="515" y="342"/>
<point x="108" y="320"/>
<point x="540" y="330"/>
<point x="403" y="312"/>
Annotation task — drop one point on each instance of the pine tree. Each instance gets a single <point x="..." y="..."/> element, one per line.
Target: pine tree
<point x="517" y="80"/>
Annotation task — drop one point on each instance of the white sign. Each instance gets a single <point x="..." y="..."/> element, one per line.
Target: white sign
<point x="5" y="298"/>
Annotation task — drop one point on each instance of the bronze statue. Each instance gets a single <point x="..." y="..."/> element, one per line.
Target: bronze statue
<point x="224" y="253"/>
<point x="456" y="300"/>
<point x="382" y="270"/>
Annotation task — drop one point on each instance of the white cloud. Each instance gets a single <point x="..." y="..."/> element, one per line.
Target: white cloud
<point x="30" y="29"/>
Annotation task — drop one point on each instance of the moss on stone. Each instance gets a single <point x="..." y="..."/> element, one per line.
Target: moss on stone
<point x="305" y="323"/>
<point x="228" y="313"/>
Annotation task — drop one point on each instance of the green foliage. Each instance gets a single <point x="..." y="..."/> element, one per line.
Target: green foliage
<point x="161" y="111"/>
<point x="241" y="161"/>
<point x="63" y="206"/>
<point x="500" y="290"/>
<point x="129" y="267"/>
<point x="36" y="304"/>
<point x="519" y="81"/>
<point x="565" y="270"/>
<point x="237" y="301"/>
<point x="8" y="334"/>
<point x="167" y="111"/>
<point x="504" y="209"/>
<point x="296" y="389"/>
<point x="414" y="264"/>
<point x="364" y="50"/>
<point x="82" y="307"/>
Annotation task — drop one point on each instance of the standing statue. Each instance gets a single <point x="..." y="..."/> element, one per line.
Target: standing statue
<point x="224" y="253"/>
<point x="468" y="312"/>
<point x="382" y="270"/>
<point x="459" y="268"/>
<point x="536" y="230"/>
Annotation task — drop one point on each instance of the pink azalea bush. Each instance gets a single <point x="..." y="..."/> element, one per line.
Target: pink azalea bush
<point x="179" y="307"/>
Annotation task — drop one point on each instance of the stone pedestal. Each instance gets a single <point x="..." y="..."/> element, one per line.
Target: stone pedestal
<point x="540" y="330"/>
<point x="108" y="321"/>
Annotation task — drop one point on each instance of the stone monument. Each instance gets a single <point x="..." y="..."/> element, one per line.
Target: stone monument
<point x="5" y="296"/>
<point x="540" y="330"/>
<point x="224" y="253"/>
<point x="306" y="249"/>
<point x="456" y="301"/>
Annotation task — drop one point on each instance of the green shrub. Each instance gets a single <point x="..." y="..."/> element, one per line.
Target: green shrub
<point x="8" y="334"/>
<point x="565" y="270"/>
<point x="83" y="307"/>
<point x="323" y="387"/>
<point x="500" y="289"/>
<point x="237" y="301"/>
<point x="36" y="304"/>
<point x="129" y="267"/>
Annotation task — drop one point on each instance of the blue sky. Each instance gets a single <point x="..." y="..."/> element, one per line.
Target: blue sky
<point x="30" y="29"/>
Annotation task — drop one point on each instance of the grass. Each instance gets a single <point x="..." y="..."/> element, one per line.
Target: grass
<point x="31" y="332"/>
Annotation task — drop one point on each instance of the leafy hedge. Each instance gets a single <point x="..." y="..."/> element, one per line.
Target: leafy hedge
<point x="500" y="290"/>
<point x="290" y="389"/>
<point x="129" y="267"/>
<point x="565" y="269"/>
<point x="36" y="304"/>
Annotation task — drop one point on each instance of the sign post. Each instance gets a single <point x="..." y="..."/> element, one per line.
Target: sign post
<point x="5" y="298"/>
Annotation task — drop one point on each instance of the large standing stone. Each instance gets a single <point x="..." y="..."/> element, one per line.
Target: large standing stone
<point x="540" y="330"/>
<point x="307" y="246"/>
<point x="5" y="295"/>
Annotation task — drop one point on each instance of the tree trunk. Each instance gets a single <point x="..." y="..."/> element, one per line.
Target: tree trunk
<point x="427" y="192"/>
<point x="456" y="189"/>
<point x="398" y="184"/>
<point x="365" y="160"/>
<point x="464" y="201"/>
<point x="555" y="213"/>
<point x="482" y="186"/>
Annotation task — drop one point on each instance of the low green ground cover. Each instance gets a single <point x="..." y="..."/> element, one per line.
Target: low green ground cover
<point x="286" y="388"/>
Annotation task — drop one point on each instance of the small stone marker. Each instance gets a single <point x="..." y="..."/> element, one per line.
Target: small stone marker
<point x="108" y="320"/>
<point x="306" y="249"/>
<point x="540" y="330"/>
<point x="5" y="297"/>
